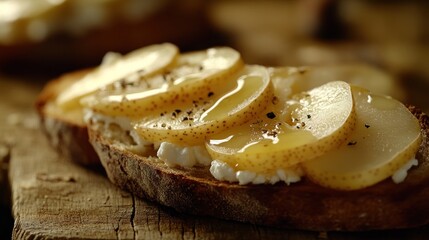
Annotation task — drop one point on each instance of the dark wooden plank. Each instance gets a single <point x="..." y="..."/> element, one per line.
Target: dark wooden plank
<point x="54" y="198"/>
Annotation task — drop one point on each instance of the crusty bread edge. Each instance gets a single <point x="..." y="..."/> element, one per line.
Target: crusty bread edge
<point x="68" y="137"/>
<point x="303" y="205"/>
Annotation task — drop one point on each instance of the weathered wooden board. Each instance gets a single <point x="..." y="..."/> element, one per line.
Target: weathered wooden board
<point x="53" y="198"/>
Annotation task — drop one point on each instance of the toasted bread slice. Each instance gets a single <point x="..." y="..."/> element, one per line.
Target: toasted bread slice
<point x="66" y="130"/>
<point x="302" y="205"/>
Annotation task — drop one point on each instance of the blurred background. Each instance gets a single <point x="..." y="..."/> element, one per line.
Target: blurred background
<point x="50" y="37"/>
<point x="41" y="39"/>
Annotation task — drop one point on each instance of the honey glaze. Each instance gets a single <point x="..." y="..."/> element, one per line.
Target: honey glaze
<point x="276" y="139"/>
<point x="239" y="99"/>
<point x="233" y="100"/>
<point x="189" y="78"/>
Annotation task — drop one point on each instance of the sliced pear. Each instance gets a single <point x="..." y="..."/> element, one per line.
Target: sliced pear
<point x="146" y="61"/>
<point x="195" y="75"/>
<point x="238" y="100"/>
<point x="386" y="137"/>
<point x="311" y="124"/>
<point x="289" y="80"/>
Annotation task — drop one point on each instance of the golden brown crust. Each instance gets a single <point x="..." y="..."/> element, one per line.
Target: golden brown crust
<point x="68" y="135"/>
<point x="303" y="205"/>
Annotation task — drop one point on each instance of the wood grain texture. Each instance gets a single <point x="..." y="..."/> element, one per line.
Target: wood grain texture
<point x="53" y="198"/>
<point x="4" y="166"/>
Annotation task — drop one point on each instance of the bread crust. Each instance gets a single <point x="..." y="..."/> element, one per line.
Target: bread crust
<point x="68" y="135"/>
<point x="303" y="205"/>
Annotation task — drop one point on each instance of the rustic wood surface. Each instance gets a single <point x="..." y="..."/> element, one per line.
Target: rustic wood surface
<point x="53" y="198"/>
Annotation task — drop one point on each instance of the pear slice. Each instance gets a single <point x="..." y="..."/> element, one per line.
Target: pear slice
<point x="195" y="75"/>
<point x="311" y="124"/>
<point x="146" y="61"/>
<point x="289" y="80"/>
<point x="386" y="137"/>
<point x="234" y="102"/>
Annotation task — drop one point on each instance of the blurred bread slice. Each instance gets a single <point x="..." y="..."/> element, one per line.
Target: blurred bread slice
<point x="83" y="31"/>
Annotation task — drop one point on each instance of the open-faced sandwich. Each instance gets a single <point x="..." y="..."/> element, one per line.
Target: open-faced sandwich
<point x="317" y="148"/>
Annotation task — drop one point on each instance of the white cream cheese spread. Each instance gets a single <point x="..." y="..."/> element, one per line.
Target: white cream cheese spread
<point x="189" y="156"/>
<point x="138" y="146"/>
<point x="174" y="155"/>
<point x="223" y="172"/>
<point x="400" y="175"/>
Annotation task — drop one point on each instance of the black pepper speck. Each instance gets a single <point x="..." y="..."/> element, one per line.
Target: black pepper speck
<point x="271" y="115"/>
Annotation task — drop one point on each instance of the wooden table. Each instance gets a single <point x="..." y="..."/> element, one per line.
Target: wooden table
<point x="53" y="198"/>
